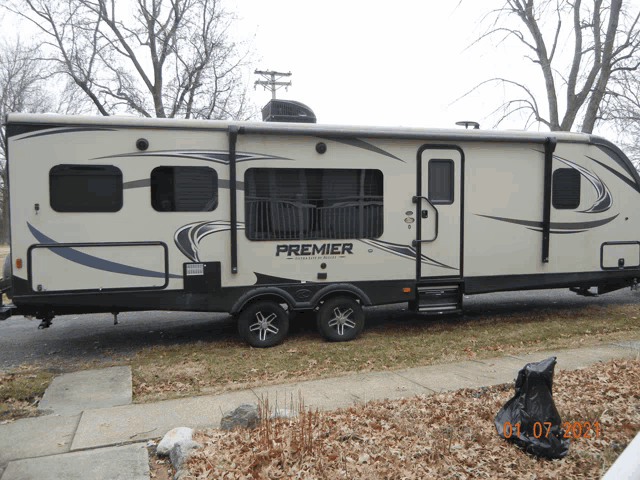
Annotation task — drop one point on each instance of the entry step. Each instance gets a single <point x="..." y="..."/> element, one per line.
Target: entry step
<point x="439" y="298"/>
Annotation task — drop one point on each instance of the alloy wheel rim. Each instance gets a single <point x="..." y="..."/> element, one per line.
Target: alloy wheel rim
<point x="264" y="325"/>
<point x="341" y="320"/>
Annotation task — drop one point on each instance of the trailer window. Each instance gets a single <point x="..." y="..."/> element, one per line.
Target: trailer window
<point x="310" y="204"/>
<point x="184" y="189"/>
<point x="85" y="188"/>
<point x="566" y="189"/>
<point x="441" y="182"/>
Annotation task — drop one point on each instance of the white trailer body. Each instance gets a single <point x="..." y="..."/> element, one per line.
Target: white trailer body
<point x="112" y="214"/>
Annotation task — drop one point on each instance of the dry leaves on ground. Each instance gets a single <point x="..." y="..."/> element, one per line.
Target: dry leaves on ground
<point x="445" y="435"/>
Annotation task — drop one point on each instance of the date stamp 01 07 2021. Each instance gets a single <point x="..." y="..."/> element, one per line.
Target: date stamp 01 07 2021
<point x="571" y="430"/>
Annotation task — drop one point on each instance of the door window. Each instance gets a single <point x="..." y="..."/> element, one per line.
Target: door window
<point x="441" y="182"/>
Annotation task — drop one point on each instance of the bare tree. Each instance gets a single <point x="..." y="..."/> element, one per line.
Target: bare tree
<point x="155" y="58"/>
<point x="623" y="110"/>
<point x="21" y="90"/>
<point x="604" y="41"/>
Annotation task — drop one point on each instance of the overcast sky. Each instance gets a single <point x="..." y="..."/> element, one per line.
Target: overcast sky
<point x="399" y="63"/>
<point x="394" y="63"/>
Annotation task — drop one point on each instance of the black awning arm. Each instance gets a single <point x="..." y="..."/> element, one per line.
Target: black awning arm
<point x="233" y="220"/>
<point x="549" y="147"/>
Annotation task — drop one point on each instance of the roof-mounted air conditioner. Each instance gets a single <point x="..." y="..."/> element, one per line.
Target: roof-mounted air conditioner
<point x="287" y="111"/>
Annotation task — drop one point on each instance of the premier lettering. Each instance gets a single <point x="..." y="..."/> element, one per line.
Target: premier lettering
<point x="320" y="249"/>
<point x="314" y="249"/>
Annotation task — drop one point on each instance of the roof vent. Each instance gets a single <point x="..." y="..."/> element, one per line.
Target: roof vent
<point x="467" y="123"/>
<point x="287" y="111"/>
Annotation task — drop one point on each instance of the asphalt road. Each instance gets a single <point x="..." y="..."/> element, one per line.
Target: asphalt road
<point x="87" y="338"/>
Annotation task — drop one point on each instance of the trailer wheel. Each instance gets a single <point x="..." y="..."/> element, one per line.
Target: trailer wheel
<point x="340" y="319"/>
<point x="263" y="324"/>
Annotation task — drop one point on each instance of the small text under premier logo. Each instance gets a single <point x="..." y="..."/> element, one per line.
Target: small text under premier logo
<point x="313" y="250"/>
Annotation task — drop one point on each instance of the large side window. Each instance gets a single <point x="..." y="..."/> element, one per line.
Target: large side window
<point x="441" y="182"/>
<point x="85" y="188"/>
<point x="184" y="189"/>
<point x="566" y="189"/>
<point x="310" y="204"/>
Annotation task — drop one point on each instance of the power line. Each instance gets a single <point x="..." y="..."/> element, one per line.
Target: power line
<point x="271" y="81"/>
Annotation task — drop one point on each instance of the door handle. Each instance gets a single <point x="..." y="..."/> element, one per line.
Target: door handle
<point x="424" y="214"/>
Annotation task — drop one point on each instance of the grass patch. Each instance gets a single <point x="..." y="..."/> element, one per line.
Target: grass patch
<point x="20" y="392"/>
<point x="213" y="367"/>
<point x="404" y="341"/>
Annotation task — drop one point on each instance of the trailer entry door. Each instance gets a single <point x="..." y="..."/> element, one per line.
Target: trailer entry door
<point x="439" y="200"/>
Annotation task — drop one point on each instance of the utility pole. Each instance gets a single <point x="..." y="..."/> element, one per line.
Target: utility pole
<point x="271" y="81"/>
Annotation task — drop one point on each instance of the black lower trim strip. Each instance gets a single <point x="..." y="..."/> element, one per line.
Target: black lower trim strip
<point x="540" y="281"/>
<point x="379" y="293"/>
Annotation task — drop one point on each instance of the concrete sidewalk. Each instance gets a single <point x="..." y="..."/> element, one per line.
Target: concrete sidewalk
<point x="94" y="425"/>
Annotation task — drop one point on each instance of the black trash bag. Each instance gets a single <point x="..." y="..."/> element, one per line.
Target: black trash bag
<point x="530" y="419"/>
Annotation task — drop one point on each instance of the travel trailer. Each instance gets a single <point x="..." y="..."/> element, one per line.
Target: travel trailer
<point x="262" y="220"/>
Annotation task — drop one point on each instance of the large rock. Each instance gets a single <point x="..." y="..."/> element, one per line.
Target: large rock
<point x="177" y="435"/>
<point x="180" y="452"/>
<point x="246" y="416"/>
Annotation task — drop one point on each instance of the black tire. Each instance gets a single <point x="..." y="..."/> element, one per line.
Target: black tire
<point x="340" y="319"/>
<point x="263" y="324"/>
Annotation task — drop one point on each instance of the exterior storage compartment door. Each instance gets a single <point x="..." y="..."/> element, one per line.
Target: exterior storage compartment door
<point x="97" y="267"/>
<point x="619" y="255"/>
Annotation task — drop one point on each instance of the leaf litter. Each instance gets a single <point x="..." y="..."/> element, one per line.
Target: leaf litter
<point x="444" y="435"/>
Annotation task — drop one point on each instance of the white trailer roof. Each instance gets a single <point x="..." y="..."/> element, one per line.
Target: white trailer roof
<point x="452" y="134"/>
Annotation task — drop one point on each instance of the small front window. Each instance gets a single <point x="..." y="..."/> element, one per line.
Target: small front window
<point x="566" y="189"/>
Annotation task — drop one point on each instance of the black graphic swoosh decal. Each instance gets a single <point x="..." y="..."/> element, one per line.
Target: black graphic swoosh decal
<point x="137" y="184"/>
<point x="58" y="130"/>
<point x="554" y="225"/>
<point x="604" y="200"/>
<point x="560" y="232"/>
<point x="92" y="261"/>
<point x="146" y="182"/>
<point x="405" y="251"/>
<point x="356" y="142"/>
<point x="626" y="180"/>
<point x="215" y="156"/>
<point x="263" y="279"/>
<point x="188" y="237"/>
